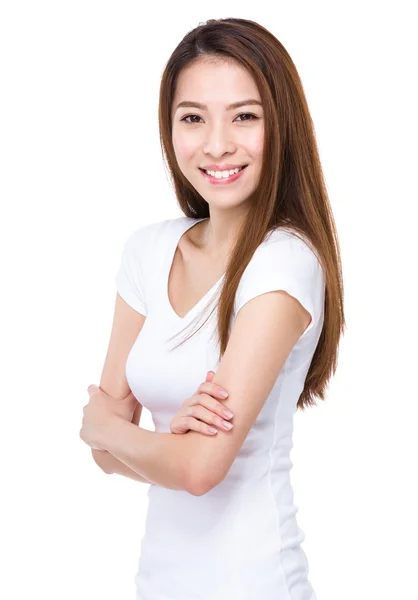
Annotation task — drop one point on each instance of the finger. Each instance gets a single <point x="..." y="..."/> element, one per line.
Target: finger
<point x="210" y="404"/>
<point x="192" y="424"/>
<point x="207" y="416"/>
<point x="181" y="424"/>
<point x="210" y="375"/>
<point x="213" y="389"/>
<point x="92" y="388"/>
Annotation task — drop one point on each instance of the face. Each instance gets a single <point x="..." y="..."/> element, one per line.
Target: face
<point x="218" y="135"/>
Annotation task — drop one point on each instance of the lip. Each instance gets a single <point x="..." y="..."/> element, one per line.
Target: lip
<point x="223" y="167"/>
<point x="221" y="180"/>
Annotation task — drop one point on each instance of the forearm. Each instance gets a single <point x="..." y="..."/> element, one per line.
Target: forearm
<point x="111" y="465"/>
<point x="161" y="458"/>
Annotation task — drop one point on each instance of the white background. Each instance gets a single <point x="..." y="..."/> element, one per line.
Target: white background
<point x="81" y="168"/>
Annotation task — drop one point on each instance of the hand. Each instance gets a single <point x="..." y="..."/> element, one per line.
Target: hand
<point x="201" y="408"/>
<point x="100" y="410"/>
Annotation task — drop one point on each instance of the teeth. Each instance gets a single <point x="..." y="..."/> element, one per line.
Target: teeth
<point x="223" y="174"/>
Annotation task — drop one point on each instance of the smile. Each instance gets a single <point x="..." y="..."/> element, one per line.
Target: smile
<point x="223" y="180"/>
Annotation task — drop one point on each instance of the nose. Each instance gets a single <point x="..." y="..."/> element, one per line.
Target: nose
<point x="218" y="141"/>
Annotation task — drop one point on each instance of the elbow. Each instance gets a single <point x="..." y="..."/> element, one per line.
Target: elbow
<point x="98" y="457"/>
<point x="201" y="473"/>
<point x="192" y="484"/>
<point x="201" y="483"/>
<point x="198" y="489"/>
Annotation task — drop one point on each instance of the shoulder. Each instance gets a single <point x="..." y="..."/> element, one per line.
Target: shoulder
<point x="287" y="243"/>
<point x="149" y="236"/>
<point x="286" y="252"/>
<point x="284" y="261"/>
<point x="149" y="231"/>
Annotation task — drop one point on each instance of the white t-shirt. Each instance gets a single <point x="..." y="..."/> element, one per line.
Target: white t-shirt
<point x="240" y="541"/>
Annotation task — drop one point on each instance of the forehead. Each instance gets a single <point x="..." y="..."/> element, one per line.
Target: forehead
<point x="215" y="82"/>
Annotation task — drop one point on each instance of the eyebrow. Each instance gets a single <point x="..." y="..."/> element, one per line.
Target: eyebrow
<point x="193" y="104"/>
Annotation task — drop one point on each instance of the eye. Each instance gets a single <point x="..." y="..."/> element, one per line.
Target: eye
<point x="184" y="118"/>
<point x="253" y="117"/>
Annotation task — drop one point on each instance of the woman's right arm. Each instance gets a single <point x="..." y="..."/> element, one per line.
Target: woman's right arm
<point x="111" y="465"/>
<point x="127" y="325"/>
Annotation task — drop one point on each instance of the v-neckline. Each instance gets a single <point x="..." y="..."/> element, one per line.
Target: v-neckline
<point x="170" y="261"/>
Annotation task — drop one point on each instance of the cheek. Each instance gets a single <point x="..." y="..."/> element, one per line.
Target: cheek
<point x="184" y="145"/>
<point x="256" y="143"/>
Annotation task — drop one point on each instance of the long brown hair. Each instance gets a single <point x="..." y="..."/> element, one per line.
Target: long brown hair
<point x="291" y="191"/>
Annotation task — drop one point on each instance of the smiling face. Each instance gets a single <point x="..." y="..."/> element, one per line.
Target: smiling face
<point x="215" y="134"/>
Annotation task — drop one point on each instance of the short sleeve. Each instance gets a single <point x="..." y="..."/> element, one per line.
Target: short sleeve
<point x="129" y="277"/>
<point x="286" y="263"/>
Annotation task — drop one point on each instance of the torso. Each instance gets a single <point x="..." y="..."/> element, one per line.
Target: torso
<point x="244" y="529"/>
<point x="192" y="273"/>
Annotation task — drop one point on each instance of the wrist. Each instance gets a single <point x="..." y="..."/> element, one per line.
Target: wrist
<point x="107" y="432"/>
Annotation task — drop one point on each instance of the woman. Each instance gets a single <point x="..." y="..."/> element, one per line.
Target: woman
<point x="257" y="242"/>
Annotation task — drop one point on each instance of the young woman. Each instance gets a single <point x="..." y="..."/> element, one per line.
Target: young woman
<point x="257" y="244"/>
